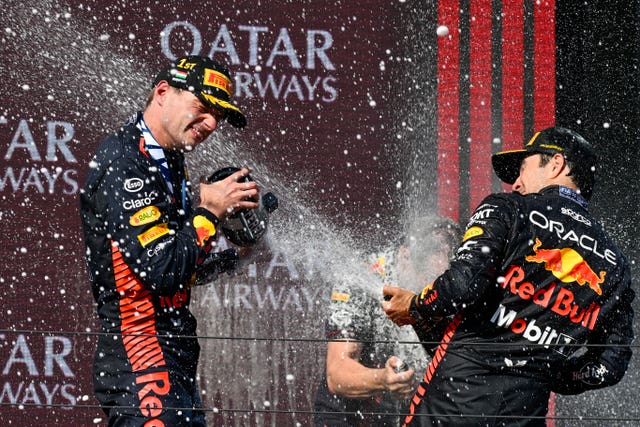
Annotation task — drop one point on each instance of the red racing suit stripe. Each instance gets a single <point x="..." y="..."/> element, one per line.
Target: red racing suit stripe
<point x="433" y="365"/>
<point x="138" y="317"/>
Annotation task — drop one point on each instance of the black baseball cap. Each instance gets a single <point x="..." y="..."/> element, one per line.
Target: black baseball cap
<point x="552" y="140"/>
<point x="207" y="79"/>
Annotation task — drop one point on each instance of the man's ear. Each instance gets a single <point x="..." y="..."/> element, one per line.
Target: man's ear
<point x="558" y="165"/>
<point x="161" y="90"/>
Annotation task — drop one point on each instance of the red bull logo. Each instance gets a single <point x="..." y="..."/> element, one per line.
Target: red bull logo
<point x="378" y="266"/>
<point x="552" y="297"/>
<point x="568" y="266"/>
<point x="432" y="296"/>
<point x="204" y="229"/>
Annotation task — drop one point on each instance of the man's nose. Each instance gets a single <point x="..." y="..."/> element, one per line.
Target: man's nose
<point x="517" y="186"/>
<point x="210" y="122"/>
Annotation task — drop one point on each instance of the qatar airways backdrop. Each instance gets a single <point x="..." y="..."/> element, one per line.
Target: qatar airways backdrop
<point x="360" y="116"/>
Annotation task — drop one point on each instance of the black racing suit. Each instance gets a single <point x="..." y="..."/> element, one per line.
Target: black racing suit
<point x="535" y="280"/>
<point x="144" y="246"/>
<point x="355" y="314"/>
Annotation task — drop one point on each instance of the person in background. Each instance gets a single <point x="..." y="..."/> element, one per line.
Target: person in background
<point x="541" y="296"/>
<point x="146" y="243"/>
<point x="366" y="377"/>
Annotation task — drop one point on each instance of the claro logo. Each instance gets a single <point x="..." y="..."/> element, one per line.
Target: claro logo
<point x="133" y="185"/>
<point x="143" y="200"/>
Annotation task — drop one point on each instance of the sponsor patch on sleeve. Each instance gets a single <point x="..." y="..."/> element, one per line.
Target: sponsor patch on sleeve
<point x="472" y="232"/>
<point x="340" y="296"/>
<point x="152" y="234"/>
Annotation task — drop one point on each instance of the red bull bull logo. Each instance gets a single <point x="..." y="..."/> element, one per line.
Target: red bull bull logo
<point x="378" y="266"/>
<point x="552" y="297"/>
<point x="568" y="266"/>
<point x="204" y="229"/>
<point x="427" y="291"/>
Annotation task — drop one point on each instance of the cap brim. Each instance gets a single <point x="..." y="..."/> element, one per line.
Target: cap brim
<point x="506" y="164"/>
<point x="234" y="115"/>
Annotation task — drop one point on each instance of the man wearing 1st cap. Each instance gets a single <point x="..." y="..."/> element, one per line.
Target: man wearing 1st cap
<point x="540" y="292"/>
<point x="147" y="244"/>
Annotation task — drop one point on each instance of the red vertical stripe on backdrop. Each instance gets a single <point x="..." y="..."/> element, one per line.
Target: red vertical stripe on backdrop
<point x="544" y="64"/>
<point x="512" y="74"/>
<point x="544" y="93"/>
<point x="480" y="101"/>
<point x="448" y="110"/>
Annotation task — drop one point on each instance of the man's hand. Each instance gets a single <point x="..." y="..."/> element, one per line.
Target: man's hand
<point x="401" y="385"/>
<point x="396" y="305"/>
<point x="349" y="378"/>
<point x="224" y="197"/>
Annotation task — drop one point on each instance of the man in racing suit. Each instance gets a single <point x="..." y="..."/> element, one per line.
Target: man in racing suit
<point x="146" y="244"/>
<point x="541" y="296"/>
<point x="363" y="384"/>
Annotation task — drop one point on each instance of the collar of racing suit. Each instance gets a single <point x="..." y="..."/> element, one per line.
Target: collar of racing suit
<point x="567" y="193"/>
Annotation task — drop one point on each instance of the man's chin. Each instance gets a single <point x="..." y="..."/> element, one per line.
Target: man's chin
<point x="190" y="143"/>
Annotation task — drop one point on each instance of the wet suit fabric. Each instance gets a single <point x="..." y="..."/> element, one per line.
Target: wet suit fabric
<point x="534" y="282"/>
<point x="145" y="243"/>
<point x="355" y="313"/>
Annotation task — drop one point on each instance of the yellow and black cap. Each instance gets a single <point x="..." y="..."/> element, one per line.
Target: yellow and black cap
<point x="207" y="79"/>
<point x="575" y="149"/>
